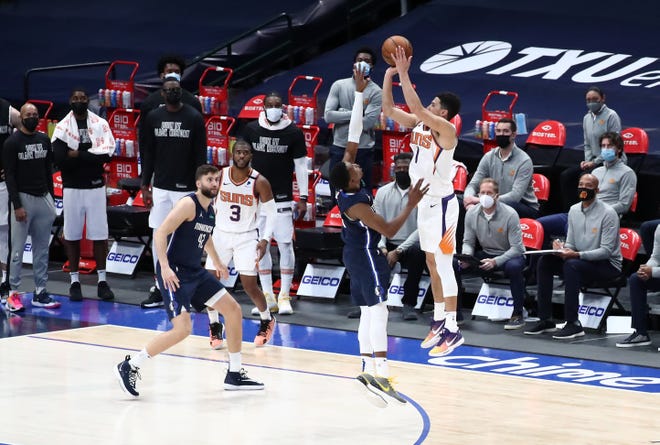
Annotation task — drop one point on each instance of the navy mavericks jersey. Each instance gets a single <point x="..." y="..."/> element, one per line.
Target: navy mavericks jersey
<point x="355" y="233"/>
<point x="188" y="240"/>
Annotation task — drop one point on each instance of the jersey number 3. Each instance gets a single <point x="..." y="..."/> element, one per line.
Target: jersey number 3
<point x="235" y="213"/>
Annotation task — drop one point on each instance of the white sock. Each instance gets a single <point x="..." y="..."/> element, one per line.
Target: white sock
<point x="266" y="280"/>
<point x="38" y="290"/>
<point x="265" y="315"/>
<point x="368" y="364"/>
<point x="438" y="311"/>
<point x="75" y="277"/>
<point x="4" y="276"/>
<point x="156" y="281"/>
<point x="141" y="357"/>
<point x="450" y="322"/>
<point x="234" y="361"/>
<point x="287" y="279"/>
<point x="214" y="317"/>
<point x="382" y="368"/>
<point x="101" y="274"/>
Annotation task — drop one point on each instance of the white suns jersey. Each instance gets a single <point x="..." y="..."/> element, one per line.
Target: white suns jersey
<point x="236" y="206"/>
<point x="430" y="162"/>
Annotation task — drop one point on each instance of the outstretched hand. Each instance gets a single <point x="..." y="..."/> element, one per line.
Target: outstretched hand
<point x="417" y="192"/>
<point x="360" y="81"/>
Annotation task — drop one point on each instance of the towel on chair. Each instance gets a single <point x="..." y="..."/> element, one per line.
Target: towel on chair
<point x="103" y="143"/>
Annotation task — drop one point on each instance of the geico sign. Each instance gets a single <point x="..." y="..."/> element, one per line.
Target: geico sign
<point x="123" y="258"/>
<point x="320" y="281"/>
<point x="398" y="290"/>
<point x="595" y="66"/>
<point x="591" y="310"/>
<point x="495" y="300"/>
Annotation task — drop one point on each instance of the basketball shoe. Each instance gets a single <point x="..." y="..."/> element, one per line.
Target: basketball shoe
<point x="284" y="304"/>
<point x="433" y="337"/>
<point x="272" y="305"/>
<point x="375" y="397"/>
<point x="266" y="330"/>
<point x="42" y="299"/>
<point x="14" y="303"/>
<point x="127" y="376"/>
<point x="155" y="299"/>
<point x="447" y="343"/>
<point x="215" y="334"/>
<point x="239" y="381"/>
<point x="383" y="385"/>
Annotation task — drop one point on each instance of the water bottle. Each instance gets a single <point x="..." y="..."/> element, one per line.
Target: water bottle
<point x="309" y="116"/>
<point x="107" y="97"/>
<point x="289" y="111"/>
<point x="117" y="147"/>
<point x="101" y="97"/>
<point x="209" y="155"/>
<point x="491" y="130"/>
<point x="477" y="129"/>
<point x="207" y="102"/>
<point x="130" y="148"/>
<point x="484" y="130"/>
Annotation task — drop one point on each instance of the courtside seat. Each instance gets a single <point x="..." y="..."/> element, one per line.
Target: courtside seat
<point x="130" y="220"/>
<point x="321" y="242"/>
<point x="635" y="146"/>
<point x="541" y="186"/>
<point x="544" y="144"/>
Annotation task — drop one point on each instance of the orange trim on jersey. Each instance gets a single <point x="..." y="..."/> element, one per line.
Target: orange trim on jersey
<point x="243" y="181"/>
<point x="447" y="242"/>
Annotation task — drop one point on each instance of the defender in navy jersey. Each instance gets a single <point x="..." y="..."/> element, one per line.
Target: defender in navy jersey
<point x="366" y="265"/>
<point x="185" y="283"/>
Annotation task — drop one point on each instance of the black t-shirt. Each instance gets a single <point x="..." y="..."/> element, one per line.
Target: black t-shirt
<point x="273" y="155"/>
<point x="28" y="161"/>
<point x="174" y="146"/>
<point x="84" y="171"/>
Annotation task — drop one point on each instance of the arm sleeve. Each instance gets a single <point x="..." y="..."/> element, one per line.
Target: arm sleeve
<point x="609" y="239"/>
<point x="332" y="114"/>
<point x="302" y="178"/>
<point x="355" y="125"/>
<point x="372" y="112"/>
<point x="48" y="165"/>
<point x="520" y="183"/>
<point x="270" y="210"/>
<point x="9" y="161"/>
<point x="516" y="247"/>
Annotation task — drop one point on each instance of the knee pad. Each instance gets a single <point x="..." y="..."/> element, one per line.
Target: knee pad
<point x="378" y="328"/>
<point x="444" y="267"/>
<point x="287" y="257"/>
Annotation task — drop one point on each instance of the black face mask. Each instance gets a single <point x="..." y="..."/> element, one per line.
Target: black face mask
<point x="79" y="108"/>
<point x="30" y="123"/>
<point x="173" y="97"/>
<point x="402" y="179"/>
<point x="503" y="140"/>
<point x="585" y="194"/>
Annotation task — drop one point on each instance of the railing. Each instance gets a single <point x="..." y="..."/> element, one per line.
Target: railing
<point x="30" y="72"/>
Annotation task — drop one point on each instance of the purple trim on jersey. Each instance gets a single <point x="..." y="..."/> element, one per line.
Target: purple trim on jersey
<point x="445" y="202"/>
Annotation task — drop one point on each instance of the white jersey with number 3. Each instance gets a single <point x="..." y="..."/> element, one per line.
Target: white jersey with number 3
<point x="236" y="206"/>
<point x="430" y="162"/>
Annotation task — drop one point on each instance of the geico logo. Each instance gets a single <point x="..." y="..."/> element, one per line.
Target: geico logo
<point x="321" y="281"/>
<point x="232" y="271"/>
<point x="123" y="258"/>
<point x="59" y="204"/>
<point x="398" y="290"/>
<point x="591" y="310"/>
<point x="28" y="247"/>
<point x="594" y="66"/>
<point x="552" y="369"/>
<point x="495" y="300"/>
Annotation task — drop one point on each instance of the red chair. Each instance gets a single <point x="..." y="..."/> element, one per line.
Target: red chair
<point x="460" y="179"/>
<point x="333" y="218"/>
<point x="532" y="233"/>
<point x="544" y="144"/>
<point x="541" y="185"/>
<point x="635" y="146"/>
<point x="633" y="204"/>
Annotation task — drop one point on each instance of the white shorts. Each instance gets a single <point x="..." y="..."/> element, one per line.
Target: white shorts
<point x="4" y="204"/>
<point x="241" y="247"/>
<point x="437" y="219"/>
<point x="163" y="202"/>
<point x="283" y="230"/>
<point x="85" y="207"/>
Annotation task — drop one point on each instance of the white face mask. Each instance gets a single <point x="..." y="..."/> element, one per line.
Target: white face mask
<point x="486" y="201"/>
<point x="273" y="114"/>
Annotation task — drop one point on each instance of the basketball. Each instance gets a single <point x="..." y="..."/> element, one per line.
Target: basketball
<point x="389" y="47"/>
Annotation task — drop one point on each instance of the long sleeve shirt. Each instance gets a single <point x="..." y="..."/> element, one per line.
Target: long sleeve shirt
<point x="593" y="232"/>
<point x="616" y="185"/>
<point x="593" y="126"/>
<point x="338" y="108"/>
<point x="501" y="236"/>
<point x="388" y="203"/>
<point x="28" y="162"/>
<point x="513" y="175"/>
<point x="654" y="261"/>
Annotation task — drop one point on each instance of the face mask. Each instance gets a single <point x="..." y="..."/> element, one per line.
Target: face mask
<point x="402" y="179"/>
<point x="173" y="75"/>
<point x="273" y="114"/>
<point x="486" y="201"/>
<point x="173" y="97"/>
<point x="503" y="140"/>
<point x="363" y="66"/>
<point x="594" y="106"/>
<point x="30" y="123"/>
<point x="585" y="194"/>
<point x="79" y="108"/>
<point x="608" y="154"/>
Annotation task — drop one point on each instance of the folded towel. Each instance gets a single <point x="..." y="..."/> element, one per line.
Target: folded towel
<point x="103" y="142"/>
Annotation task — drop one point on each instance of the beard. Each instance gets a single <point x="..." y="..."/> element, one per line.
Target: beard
<point x="209" y="192"/>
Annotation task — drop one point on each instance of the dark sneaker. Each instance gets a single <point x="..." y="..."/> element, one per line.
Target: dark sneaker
<point x="354" y="313"/>
<point x="408" y="313"/>
<point x="75" y="292"/>
<point x="433" y="337"/>
<point x="515" y="322"/>
<point x="384" y="386"/>
<point x="570" y="330"/>
<point x="375" y="397"/>
<point x="266" y="331"/>
<point x="215" y="335"/>
<point x="42" y="299"/>
<point x="155" y="299"/>
<point x="447" y="343"/>
<point x="239" y="381"/>
<point x="104" y="292"/>
<point x="541" y="327"/>
<point x="635" y="339"/>
<point x="127" y="376"/>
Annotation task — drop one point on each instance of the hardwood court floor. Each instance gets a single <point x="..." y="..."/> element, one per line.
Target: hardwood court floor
<point x="58" y="388"/>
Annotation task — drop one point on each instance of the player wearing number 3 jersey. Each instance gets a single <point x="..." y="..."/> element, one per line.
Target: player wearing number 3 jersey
<point x="242" y="192"/>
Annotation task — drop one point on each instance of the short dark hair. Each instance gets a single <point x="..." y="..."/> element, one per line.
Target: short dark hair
<point x="79" y="88"/>
<point x="171" y="58"/>
<point x="450" y="102"/>
<point x="403" y="156"/>
<point x="243" y="142"/>
<point x="367" y="50"/>
<point x="597" y="90"/>
<point x="339" y="176"/>
<point x="508" y="120"/>
<point x="273" y="94"/>
<point x="204" y="170"/>
<point x="615" y="138"/>
<point x="496" y="186"/>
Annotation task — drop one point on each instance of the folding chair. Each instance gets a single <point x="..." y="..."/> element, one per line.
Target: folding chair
<point x="635" y="146"/>
<point x="544" y="144"/>
<point x="541" y="185"/>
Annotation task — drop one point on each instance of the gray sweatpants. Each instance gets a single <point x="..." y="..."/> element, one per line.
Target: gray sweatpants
<point x="40" y="216"/>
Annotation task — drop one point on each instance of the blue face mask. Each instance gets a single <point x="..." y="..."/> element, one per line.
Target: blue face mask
<point x="608" y="154"/>
<point x="363" y="66"/>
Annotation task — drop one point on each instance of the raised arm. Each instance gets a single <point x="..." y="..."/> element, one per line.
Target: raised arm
<point x="403" y="118"/>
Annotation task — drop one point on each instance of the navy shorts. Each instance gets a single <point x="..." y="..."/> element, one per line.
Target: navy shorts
<point x="370" y="275"/>
<point x="196" y="286"/>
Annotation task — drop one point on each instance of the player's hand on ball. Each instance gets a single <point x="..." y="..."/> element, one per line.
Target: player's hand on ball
<point x="401" y="60"/>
